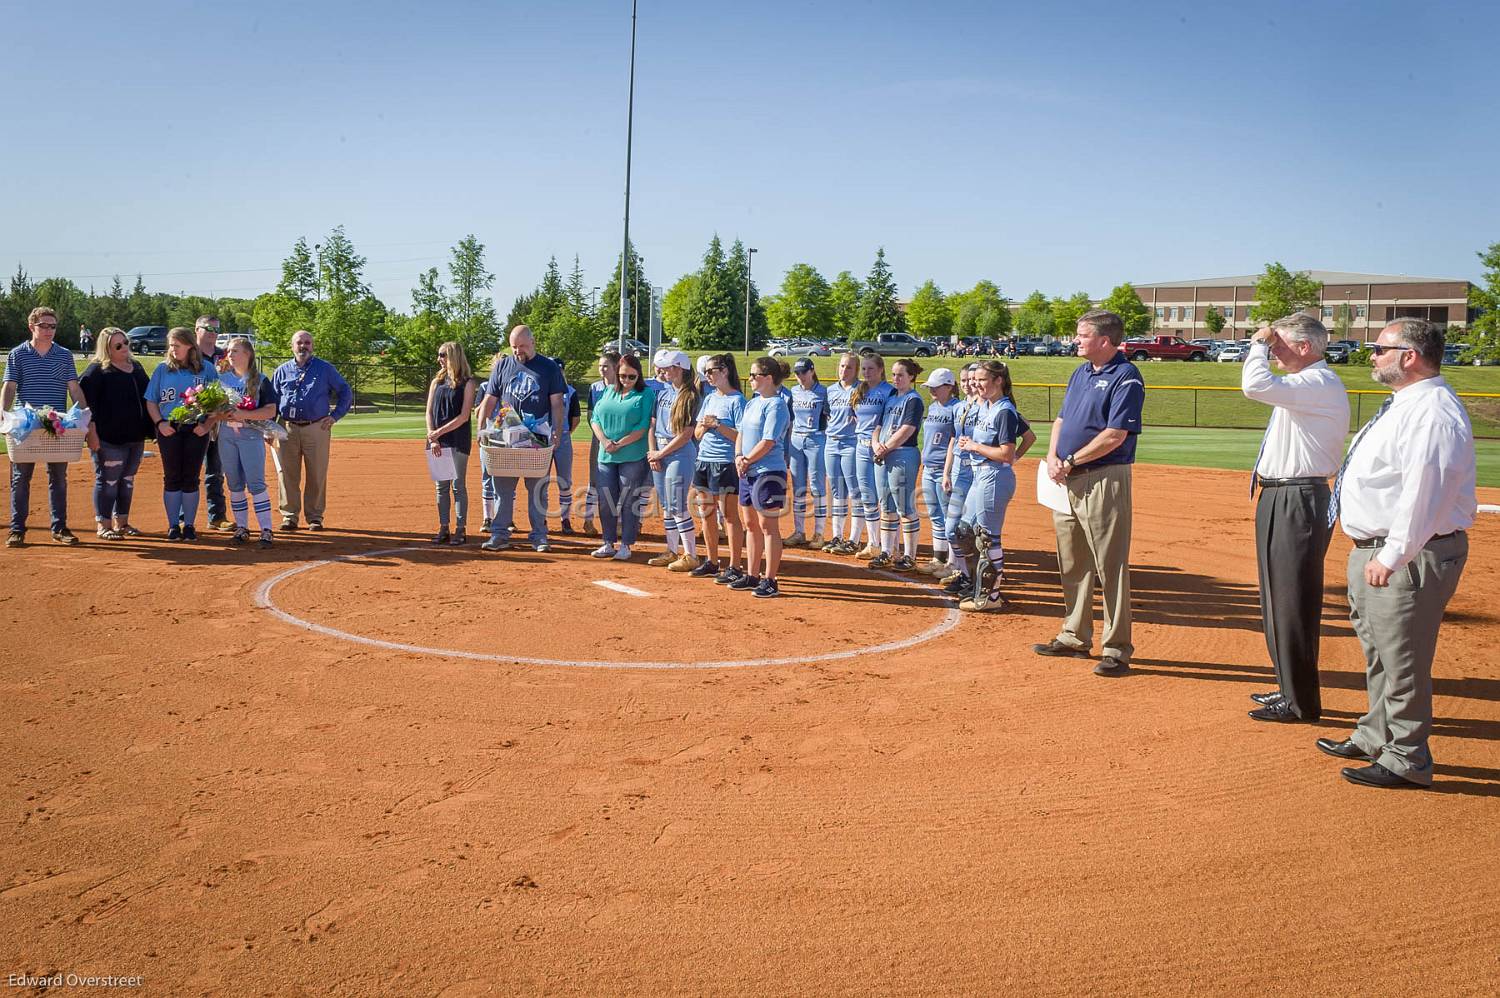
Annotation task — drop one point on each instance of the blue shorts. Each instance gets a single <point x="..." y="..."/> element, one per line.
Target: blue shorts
<point x="718" y="477"/>
<point x="764" y="492"/>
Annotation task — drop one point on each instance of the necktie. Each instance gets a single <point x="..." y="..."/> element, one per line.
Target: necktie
<point x="1255" y="468"/>
<point x="1338" y="483"/>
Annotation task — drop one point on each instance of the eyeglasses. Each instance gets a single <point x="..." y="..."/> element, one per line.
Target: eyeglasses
<point x="1379" y="349"/>
<point x="46" y="325"/>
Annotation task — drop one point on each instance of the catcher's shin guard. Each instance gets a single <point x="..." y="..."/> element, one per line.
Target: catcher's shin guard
<point x="986" y="572"/>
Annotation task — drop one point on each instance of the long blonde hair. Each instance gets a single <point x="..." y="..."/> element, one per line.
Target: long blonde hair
<point x="455" y="365"/>
<point x="685" y="408"/>
<point x="101" y="345"/>
<point x="861" y="389"/>
<point x="252" y="372"/>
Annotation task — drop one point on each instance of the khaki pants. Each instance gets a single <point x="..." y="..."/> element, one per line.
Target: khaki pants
<point x="1095" y="541"/>
<point x="1397" y="626"/>
<point x="307" y="445"/>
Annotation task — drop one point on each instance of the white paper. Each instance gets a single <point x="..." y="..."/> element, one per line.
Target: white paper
<point x="441" y="467"/>
<point x="1049" y="493"/>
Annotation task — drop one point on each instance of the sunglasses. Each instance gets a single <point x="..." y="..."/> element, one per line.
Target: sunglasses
<point x="46" y="325"/>
<point x="1379" y="349"/>
<point x="630" y="377"/>
<point x="119" y="346"/>
<point x="713" y="370"/>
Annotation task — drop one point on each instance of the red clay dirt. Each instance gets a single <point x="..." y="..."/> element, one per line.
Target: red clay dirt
<point x="202" y="793"/>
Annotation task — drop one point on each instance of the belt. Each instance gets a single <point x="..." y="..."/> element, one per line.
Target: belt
<point x="1276" y="483"/>
<point x="302" y="422"/>
<point x="1375" y="542"/>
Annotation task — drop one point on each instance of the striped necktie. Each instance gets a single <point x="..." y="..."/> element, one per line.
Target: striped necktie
<point x="1338" y="483"/>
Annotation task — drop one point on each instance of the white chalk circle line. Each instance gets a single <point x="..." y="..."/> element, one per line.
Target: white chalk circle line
<point x="264" y="598"/>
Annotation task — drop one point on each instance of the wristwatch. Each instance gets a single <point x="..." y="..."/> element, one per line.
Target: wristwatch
<point x="1068" y="461"/>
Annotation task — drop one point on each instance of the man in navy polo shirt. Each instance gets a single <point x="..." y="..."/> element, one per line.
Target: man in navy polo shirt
<point x="40" y="373"/>
<point x="532" y="385"/>
<point x="1092" y="449"/>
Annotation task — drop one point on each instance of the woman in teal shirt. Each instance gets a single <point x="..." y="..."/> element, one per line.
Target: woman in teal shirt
<point x="620" y="422"/>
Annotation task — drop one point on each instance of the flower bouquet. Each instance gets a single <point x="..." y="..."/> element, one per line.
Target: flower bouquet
<point x="212" y="399"/>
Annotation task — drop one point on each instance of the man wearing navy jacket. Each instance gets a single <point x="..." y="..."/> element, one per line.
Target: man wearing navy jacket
<point x="1092" y="449"/>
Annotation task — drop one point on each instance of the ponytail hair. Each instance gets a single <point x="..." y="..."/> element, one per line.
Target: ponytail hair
<point x="860" y="390"/>
<point x="726" y="361"/>
<point x="685" y="407"/>
<point x="997" y="370"/>
<point x="777" y="369"/>
<point x="910" y="366"/>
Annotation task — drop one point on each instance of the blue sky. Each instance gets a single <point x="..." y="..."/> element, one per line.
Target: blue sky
<point x="1063" y="148"/>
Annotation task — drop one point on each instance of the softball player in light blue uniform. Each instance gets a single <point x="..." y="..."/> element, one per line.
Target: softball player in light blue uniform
<point x="898" y="470"/>
<point x="958" y="476"/>
<point x="672" y="457"/>
<point x="809" y="444"/>
<point x="937" y="435"/>
<point x="839" y="459"/>
<point x="868" y="399"/>
<point x="991" y="449"/>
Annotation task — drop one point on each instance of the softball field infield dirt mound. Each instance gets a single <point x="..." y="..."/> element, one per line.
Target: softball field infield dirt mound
<point x="221" y="776"/>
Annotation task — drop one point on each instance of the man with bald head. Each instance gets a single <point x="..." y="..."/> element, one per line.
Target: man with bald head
<point x="313" y="396"/>
<point x="532" y="385"/>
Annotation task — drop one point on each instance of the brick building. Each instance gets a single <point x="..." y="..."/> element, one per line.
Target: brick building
<point x="1372" y="300"/>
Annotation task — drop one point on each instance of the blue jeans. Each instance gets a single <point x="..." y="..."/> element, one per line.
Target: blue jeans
<point x="458" y="488"/>
<point x="115" y="466"/>
<point x="622" y="491"/>
<point x="562" y="467"/>
<point x="936" y="501"/>
<point x="897" y="477"/>
<point x="57" y="493"/>
<point x="505" y="510"/>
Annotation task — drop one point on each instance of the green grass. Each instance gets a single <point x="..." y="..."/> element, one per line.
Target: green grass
<point x="1191" y="447"/>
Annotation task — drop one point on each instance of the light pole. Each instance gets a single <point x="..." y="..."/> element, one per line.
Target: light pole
<point x="629" y="131"/>
<point x="318" y="248"/>
<point x="635" y="298"/>
<point x="749" y="262"/>
<point x="594" y="302"/>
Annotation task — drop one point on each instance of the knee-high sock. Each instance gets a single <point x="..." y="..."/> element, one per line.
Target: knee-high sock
<point x="911" y="532"/>
<point x="262" y="503"/>
<point x="888" y="530"/>
<point x="669" y="527"/>
<point x="820" y="515"/>
<point x="173" y="502"/>
<point x="565" y="503"/>
<point x="840" y="512"/>
<point x="189" y="507"/>
<point x="240" y="507"/>
<point x="688" y="535"/>
<point x="997" y="558"/>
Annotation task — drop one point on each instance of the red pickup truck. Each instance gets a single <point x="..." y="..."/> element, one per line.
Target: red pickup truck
<point x="1163" y="348"/>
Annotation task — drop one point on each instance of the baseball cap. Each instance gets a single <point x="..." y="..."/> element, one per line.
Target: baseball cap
<point x="662" y="358"/>
<point x="674" y="358"/>
<point x="702" y="364"/>
<point x="803" y="365"/>
<point x="940" y="376"/>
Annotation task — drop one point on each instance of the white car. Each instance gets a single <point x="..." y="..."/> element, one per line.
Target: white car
<point x="1235" y="352"/>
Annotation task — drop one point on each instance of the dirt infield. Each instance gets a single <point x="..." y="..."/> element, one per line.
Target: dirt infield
<point x="209" y="795"/>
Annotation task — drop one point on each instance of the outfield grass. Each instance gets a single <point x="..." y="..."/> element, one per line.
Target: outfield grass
<point x="1187" y="446"/>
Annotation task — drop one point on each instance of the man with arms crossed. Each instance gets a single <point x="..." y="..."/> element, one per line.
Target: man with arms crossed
<point x="1298" y="455"/>
<point x="1406" y="495"/>
<point x="1092" y="449"/>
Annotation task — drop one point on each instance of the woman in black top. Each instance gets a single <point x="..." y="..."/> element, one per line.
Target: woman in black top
<point x="450" y="401"/>
<point x="114" y="385"/>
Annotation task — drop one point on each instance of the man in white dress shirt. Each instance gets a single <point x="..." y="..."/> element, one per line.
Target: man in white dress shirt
<point x="1298" y="455"/>
<point x="1406" y="495"/>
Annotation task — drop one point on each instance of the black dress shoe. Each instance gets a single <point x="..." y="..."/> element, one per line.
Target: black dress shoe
<point x="1342" y="750"/>
<point x="1281" y="712"/>
<point x="1056" y="649"/>
<point x="1266" y="699"/>
<point x="1111" y="666"/>
<point x="1376" y="775"/>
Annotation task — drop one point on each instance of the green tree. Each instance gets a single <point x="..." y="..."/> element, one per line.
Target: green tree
<point x="470" y="308"/>
<point x="984" y="295"/>
<point x="966" y="322"/>
<point x="801" y="309"/>
<point x="878" y="312"/>
<point x="1125" y="302"/>
<point x="607" y="322"/>
<point x="1280" y="292"/>
<point x="415" y="340"/>
<point x="520" y="313"/>
<point x="572" y="338"/>
<point x="844" y="296"/>
<point x="299" y="274"/>
<point x="1065" y="312"/>
<point x="928" y="315"/>
<point x="674" y="307"/>
<point x="1214" y="320"/>
<point x="737" y="264"/>
<point x="1484" y="334"/>
<point x="1034" y="318"/>
<point x="141" y="309"/>
<point x="993" y="322"/>
<point x="551" y="297"/>
<point x="348" y="317"/>
<point x="711" y="322"/>
<point x="574" y="291"/>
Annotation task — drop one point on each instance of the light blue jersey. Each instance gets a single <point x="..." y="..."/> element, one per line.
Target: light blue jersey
<point x="167" y="386"/>
<point x="870" y="410"/>
<point x="840" y="412"/>
<point x="765" y="419"/>
<point x="715" y="448"/>
<point x="998" y="423"/>
<point x="666" y="397"/>
<point x="937" y="432"/>
<point x="809" y="410"/>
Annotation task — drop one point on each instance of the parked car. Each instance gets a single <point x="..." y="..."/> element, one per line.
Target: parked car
<point x="1234" y="352"/>
<point x="1164" y="348"/>
<point x="1452" y="351"/>
<point x="148" y="339"/>
<point x="632" y="345"/>
<point x="896" y="345"/>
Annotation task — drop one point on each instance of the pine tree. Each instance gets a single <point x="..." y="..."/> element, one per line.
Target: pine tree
<point x="550" y="295"/>
<point x="878" y="312"/>
<point x="738" y="267"/>
<point x="607" y="322"/>
<point x="710" y="322"/>
<point x="299" y="274"/>
<point x="574" y="292"/>
<point x="471" y="310"/>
